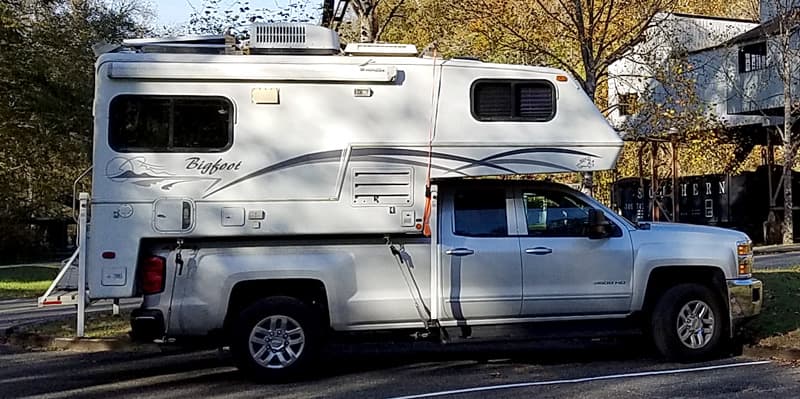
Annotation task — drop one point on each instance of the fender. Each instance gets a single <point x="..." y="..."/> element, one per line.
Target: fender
<point x="205" y="297"/>
<point x="650" y="256"/>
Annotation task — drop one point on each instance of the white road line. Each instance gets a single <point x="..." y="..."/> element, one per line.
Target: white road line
<point x="579" y="380"/>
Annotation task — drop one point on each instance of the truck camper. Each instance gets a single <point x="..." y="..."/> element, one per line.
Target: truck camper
<point x="271" y="193"/>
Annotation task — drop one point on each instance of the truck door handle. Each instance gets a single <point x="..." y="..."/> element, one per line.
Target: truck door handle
<point x="538" y="251"/>
<point x="459" y="252"/>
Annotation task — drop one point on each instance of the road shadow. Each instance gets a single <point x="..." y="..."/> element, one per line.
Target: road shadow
<point x="342" y="359"/>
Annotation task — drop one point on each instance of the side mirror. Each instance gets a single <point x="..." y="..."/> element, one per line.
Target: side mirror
<point x="599" y="226"/>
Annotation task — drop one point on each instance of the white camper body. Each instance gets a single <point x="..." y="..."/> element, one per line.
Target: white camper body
<point x="313" y="145"/>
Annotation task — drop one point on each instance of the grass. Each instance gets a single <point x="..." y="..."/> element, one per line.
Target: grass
<point x="98" y="325"/>
<point x="779" y="322"/>
<point x="25" y="281"/>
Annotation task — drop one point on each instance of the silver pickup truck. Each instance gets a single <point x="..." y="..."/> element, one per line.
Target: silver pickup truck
<point x="510" y="254"/>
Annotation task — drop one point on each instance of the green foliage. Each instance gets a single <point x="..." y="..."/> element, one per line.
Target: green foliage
<point x="779" y="322"/>
<point x="25" y="282"/>
<point x="47" y="75"/>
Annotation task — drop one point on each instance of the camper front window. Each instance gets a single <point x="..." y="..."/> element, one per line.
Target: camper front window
<point x="497" y="100"/>
<point x="140" y="123"/>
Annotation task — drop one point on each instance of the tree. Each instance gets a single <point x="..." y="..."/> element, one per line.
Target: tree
<point x="47" y="76"/>
<point x="374" y="16"/>
<point x="583" y="37"/>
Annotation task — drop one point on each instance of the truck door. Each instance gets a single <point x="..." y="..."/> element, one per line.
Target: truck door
<point x="481" y="265"/>
<point x="564" y="271"/>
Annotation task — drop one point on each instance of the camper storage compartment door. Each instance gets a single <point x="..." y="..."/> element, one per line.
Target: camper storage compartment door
<point x="173" y="215"/>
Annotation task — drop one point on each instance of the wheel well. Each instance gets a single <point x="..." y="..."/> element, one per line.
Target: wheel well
<point x="310" y="292"/>
<point x="662" y="278"/>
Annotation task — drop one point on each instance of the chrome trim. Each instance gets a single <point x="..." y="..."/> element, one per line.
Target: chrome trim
<point x="740" y="298"/>
<point x="483" y="322"/>
<point x="575" y="297"/>
<point x="479" y="322"/>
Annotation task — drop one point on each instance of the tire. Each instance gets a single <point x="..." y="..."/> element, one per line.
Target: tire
<point x="290" y="353"/>
<point x="688" y="323"/>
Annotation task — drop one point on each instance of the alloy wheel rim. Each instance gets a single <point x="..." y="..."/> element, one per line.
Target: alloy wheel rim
<point x="695" y="324"/>
<point x="276" y="342"/>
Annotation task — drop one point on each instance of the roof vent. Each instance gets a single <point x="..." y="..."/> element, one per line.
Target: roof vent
<point x="381" y="49"/>
<point x="291" y="38"/>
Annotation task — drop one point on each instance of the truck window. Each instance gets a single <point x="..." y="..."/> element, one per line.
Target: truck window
<point x="480" y="213"/>
<point x="495" y="100"/>
<point x="170" y="124"/>
<point x="555" y="214"/>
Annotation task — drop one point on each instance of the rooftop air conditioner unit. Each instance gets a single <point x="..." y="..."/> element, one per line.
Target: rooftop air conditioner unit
<point x="292" y="38"/>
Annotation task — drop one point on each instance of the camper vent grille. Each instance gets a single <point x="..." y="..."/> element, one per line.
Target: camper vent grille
<point x="292" y="38"/>
<point x="382" y="187"/>
<point x="279" y="34"/>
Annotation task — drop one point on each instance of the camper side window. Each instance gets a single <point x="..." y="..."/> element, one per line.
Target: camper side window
<point x="170" y="124"/>
<point x="513" y="100"/>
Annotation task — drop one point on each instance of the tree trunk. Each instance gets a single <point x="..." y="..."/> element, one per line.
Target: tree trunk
<point x="367" y="19"/>
<point x="367" y="28"/>
<point x="788" y="160"/>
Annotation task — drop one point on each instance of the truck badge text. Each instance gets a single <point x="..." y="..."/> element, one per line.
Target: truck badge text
<point x="210" y="168"/>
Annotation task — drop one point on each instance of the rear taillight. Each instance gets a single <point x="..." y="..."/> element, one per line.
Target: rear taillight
<point x="152" y="269"/>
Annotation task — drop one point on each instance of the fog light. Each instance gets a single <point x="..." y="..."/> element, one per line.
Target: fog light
<point x="745" y="265"/>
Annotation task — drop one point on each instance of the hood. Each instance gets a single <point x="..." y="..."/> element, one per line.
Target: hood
<point x="681" y="228"/>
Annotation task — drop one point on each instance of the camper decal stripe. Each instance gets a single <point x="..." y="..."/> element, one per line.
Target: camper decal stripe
<point x="528" y="161"/>
<point x="138" y="171"/>
<point x="410" y="163"/>
<point x="357" y="155"/>
<point x="386" y="155"/>
<point x="424" y="154"/>
<point x="316" y="157"/>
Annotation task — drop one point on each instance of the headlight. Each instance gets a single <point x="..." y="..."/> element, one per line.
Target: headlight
<point x="744" y="251"/>
<point x="744" y="248"/>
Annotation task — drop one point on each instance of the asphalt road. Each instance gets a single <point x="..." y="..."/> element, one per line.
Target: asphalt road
<point x="607" y="372"/>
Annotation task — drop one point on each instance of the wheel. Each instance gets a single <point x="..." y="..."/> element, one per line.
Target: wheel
<point x="687" y="323"/>
<point x="276" y="339"/>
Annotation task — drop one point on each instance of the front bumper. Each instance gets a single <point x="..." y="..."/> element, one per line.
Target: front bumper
<point x="745" y="297"/>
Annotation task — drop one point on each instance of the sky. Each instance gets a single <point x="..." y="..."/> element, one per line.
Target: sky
<point x="175" y="13"/>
